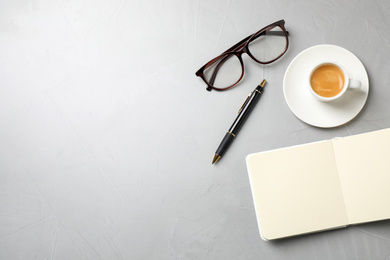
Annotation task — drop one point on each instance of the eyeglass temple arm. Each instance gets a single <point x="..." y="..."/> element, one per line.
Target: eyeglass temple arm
<point x="238" y="46"/>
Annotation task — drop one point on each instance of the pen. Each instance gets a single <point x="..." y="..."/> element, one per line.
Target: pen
<point x="243" y="113"/>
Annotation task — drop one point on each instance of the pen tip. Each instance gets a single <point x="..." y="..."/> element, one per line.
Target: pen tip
<point x="262" y="84"/>
<point x="216" y="158"/>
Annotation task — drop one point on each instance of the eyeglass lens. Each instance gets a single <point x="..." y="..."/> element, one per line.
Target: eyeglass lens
<point x="228" y="70"/>
<point x="224" y="73"/>
<point x="268" y="46"/>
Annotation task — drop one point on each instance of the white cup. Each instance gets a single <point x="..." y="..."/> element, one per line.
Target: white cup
<point x="328" y="81"/>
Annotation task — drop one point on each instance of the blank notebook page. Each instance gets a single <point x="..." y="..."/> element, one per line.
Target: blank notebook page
<point x="364" y="167"/>
<point x="296" y="190"/>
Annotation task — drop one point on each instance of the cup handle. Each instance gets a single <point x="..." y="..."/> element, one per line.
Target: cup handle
<point x="354" y="84"/>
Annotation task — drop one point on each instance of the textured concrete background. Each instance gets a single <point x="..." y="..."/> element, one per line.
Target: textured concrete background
<point x="107" y="136"/>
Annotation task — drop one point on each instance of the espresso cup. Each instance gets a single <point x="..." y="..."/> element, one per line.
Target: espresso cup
<point x="328" y="81"/>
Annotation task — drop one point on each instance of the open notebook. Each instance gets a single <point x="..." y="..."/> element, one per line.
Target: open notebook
<point x="322" y="185"/>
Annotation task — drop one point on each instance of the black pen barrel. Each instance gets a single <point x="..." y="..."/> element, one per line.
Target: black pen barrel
<point x="244" y="113"/>
<point x="226" y="141"/>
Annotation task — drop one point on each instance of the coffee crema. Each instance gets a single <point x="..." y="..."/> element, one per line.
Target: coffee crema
<point x="327" y="80"/>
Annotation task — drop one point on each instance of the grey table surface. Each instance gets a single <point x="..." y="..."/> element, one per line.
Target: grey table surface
<point x="107" y="136"/>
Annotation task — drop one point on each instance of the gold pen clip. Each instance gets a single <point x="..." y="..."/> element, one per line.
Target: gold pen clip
<point x="262" y="84"/>
<point x="246" y="101"/>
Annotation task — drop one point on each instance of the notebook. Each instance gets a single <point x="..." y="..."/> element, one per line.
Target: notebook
<point x="322" y="185"/>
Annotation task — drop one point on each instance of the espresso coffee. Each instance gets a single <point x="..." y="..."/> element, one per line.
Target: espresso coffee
<point x="327" y="80"/>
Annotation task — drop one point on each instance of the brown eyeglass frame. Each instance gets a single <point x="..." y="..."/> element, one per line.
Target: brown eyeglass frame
<point x="238" y="49"/>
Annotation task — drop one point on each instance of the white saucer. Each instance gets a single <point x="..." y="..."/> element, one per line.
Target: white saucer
<point x="312" y="111"/>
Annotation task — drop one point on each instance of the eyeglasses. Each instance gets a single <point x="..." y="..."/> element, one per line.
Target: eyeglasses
<point x="264" y="47"/>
